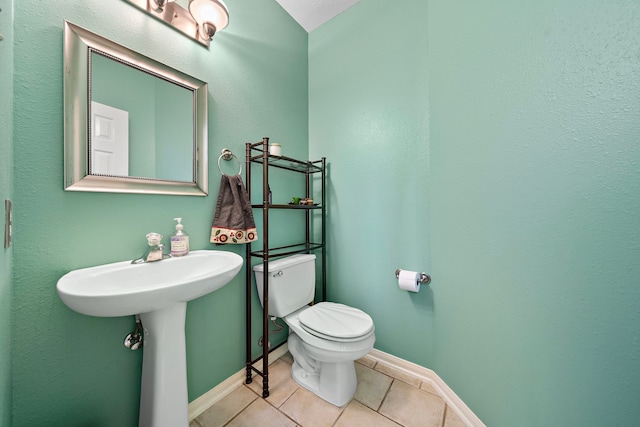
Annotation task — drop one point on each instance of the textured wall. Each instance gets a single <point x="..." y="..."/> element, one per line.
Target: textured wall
<point x="536" y="178"/>
<point x="532" y="194"/>
<point x="368" y="108"/>
<point x="6" y="192"/>
<point x="71" y="369"/>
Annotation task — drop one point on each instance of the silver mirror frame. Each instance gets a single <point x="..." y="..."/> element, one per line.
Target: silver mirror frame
<point x="78" y="45"/>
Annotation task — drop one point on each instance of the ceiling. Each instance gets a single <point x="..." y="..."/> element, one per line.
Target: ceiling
<point x="310" y="14"/>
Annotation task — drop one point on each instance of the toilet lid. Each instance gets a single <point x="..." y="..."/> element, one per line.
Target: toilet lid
<point x="336" y="322"/>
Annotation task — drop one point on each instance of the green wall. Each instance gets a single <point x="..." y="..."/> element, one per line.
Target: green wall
<point x="495" y="145"/>
<point x="70" y="369"/>
<point x="369" y="116"/>
<point x="6" y="192"/>
<point x="174" y="150"/>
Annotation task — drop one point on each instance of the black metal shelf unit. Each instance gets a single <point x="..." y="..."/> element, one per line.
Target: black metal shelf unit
<point x="259" y="153"/>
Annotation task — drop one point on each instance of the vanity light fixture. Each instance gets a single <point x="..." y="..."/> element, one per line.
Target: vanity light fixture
<point x="211" y="16"/>
<point x="200" y="21"/>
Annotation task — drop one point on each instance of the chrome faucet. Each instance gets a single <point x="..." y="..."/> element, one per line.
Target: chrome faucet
<point x="155" y="250"/>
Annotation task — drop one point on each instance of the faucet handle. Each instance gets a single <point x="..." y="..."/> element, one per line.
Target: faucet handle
<point x="154" y="239"/>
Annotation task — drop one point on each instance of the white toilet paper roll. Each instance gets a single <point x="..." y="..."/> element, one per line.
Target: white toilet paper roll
<point x="409" y="280"/>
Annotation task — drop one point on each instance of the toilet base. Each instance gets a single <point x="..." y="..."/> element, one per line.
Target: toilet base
<point x="336" y="385"/>
<point x="334" y="382"/>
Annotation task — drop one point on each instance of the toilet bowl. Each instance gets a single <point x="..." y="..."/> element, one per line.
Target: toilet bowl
<point x="324" y="360"/>
<point x="324" y="339"/>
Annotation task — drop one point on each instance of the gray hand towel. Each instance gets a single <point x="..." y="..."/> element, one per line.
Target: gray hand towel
<point x="233" y="220"/>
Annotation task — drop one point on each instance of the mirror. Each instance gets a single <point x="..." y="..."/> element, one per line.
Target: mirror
<point x="132" y="124"/>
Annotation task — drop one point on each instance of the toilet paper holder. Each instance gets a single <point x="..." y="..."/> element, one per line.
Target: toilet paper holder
<point x="425" y="279"/>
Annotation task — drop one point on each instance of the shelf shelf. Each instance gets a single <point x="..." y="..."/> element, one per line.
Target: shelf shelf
<point x="288" y="163"/>
<point x="258" y="153"/>
<point x="287" y="250"/>
<point x="287" y="206"/>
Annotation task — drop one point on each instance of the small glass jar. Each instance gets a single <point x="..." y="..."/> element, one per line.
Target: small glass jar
<point x="275" y="149"/>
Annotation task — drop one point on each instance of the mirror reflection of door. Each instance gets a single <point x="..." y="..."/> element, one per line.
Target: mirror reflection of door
<point x="161" y="126"/>
<point x="110" y="141"/>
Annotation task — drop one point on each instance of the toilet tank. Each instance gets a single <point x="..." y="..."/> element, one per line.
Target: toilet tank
<point x="292" y="283"/>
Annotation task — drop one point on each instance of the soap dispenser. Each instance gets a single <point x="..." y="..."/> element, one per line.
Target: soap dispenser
<point x="179" y="240"/>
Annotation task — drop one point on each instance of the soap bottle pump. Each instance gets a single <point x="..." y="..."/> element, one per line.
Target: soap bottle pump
<point x="179" y="240"/>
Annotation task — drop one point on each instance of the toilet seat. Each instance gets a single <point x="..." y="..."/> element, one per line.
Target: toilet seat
<point x="336" y="322"/>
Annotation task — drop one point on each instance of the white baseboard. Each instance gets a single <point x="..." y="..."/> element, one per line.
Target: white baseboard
<point x="202" y="403"/>
<point x="427" y="375"/>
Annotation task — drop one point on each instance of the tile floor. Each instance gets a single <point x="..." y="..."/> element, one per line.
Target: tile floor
<point x="385" y="397"/>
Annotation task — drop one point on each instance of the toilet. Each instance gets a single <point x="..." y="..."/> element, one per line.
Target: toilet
<point x="324" y="339"/>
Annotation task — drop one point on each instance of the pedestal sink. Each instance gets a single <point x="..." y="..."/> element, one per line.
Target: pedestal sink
<point x="159" y="292"/>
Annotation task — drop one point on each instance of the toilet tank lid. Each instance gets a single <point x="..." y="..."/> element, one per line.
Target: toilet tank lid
<point x="289" y="261"/>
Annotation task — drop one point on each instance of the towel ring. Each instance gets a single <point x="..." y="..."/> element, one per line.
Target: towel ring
<point x="228" y="155"/>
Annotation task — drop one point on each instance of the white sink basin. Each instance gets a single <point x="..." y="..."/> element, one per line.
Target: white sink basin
<point x="159" y="292"/>
<point x="123" y="289"/>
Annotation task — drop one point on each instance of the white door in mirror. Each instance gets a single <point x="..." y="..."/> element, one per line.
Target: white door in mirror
<point x="110" y="140"/>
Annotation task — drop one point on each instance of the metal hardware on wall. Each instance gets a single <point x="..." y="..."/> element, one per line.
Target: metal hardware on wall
<point x="424" y="279"/>
<point x="7" y="223"/>
<point x="200" y="22"/>
<point x="228" y="155"/>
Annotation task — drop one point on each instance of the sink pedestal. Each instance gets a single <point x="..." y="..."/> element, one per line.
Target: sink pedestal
<point x="159" y="292"/>
<point x="164" y="401"/>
